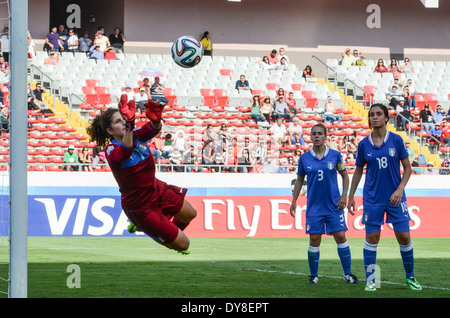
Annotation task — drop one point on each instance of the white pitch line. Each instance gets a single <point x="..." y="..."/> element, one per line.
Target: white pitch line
<point x="334" y="277"/>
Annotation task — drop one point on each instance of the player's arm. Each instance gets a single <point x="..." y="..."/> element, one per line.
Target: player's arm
<point x="298" y="186"/>
<point x="355" y="181"/>
<point x="343" y="199"/>
<point x="396" y="197"/>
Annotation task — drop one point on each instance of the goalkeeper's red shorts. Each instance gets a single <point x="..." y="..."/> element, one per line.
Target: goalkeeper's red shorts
<point x="154" y="216"/>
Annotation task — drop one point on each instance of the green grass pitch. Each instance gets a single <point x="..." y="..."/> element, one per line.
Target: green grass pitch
<point x="137" y="267"/>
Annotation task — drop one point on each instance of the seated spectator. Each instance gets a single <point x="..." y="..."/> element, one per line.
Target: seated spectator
<point x="72" y="42"/>
<point x="296" y="157"/>
<point x="308" y="72"/>
<point x="168" y="146"/>
<point x="96" y="53"/>
<point x="292" y="103"/>
<point x="404" y="114"/>
<point x="117" y="40"/>
<point x="260" y="153"/>
<point x="62" y="37"/>
<point x="156" y="146"/>
<point x="282" y="53"/>
<point x="393" y="96"/>
<point x="256" y="109"/>
<point x="230" y="161"/>
<point x="53" y="59"/>
<point x="242" y="84"/>
<point x="85" y="157"/>
<point x="447" y="117"/>
<point x="223" y="135"/>
<point x="445" y="132"/>
<point x="283" y="168"/>
<point x="4" y="66"/>
<point x="282" y="65"/>
<point x="352" y="147"/>
<point x="265" y="63"/>
<point x="358" y="58"/>
<point x="435" y="134"/>
<point x="191" y="160"/>
<point x="266" y="108"/>
<point x="333" y="143"/>
<point x="438" y="115"/>
<point x="85" y="42"/>
<point x="273" y="58"/>
<point x="208" y="154"/>
<point x="380" y="68"/>
<point x="52" y="40"/>
<point x="347" y="58"/>
<point x="426" y="119"/>
<point x="330" y="114"/>
<point x="430" y="170"/>
<point x="129" y="92"/>
<point x="245" y="160"/>
<point x="157" y="91"/>
<point x="411" y="151"/>
<point x="37" y="96"/>
<point x="445" y="167"/>
<point x="4" y="119"/>
<point x="407" y="67"/>
<point x="409" y="98"/>
<point x="269" y="165"/>
<point x="176" y="159"/>
<point x="397" y="83"/>
<point x="279" y="132"/>
<point x="102" y="41"/>
<point x="295" y="132"/>
<point x="281" y="108"/>
<point x="393" y="67"/>
<point x="180" y="141"/>
<point x="140" y="100"/>
<point x="98" y="155"/>
<point x="71" y="157"/>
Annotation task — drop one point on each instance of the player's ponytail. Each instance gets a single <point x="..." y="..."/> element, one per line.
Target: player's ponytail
<point x="97" y="129"/>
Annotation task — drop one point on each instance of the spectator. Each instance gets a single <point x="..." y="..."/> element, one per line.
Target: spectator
<point x="280" y="107"/>
<point x="85" y="157"/>
<point x="237" y="150"/>
<point x="397" y="83"/>
<point x="273" y="58"/>
<point x="230" y="160"/>
<point x="140" y="100"/>
<point x="435" y="134"/>
<point x="296" y="157"/>
<point x="265" y="63"/>
<point x="245" y="160"/>
<point x="330" y="114"/>
<point x="72" y="42"/>
<point x="358" y="58"/>
<point x="98" y="155"/>
<point x="266" y="108"/>
<point x="52" y="40"/>
<point x="4" y="119"/>
<point x="176" y="159"/>
<point x="352" y="146"/>
<point x="4" y="66"/>
<point x="426" y="118"/>
<point x="292" y="103"/>
<point x="180" y="142"/>
<point x="157" y="146"/>
<point x="412" y="88"/>
<point x="85" y="42"/>
<point x="407" y="67"/>
<point x="393" y="67"/>
<point x="380" y="68"/>
<point x="308" y="72"/>
<point x="191" y="160"/>
<point x="438" y="115"/>
<point x="167" y="147"/>
<point x="333" y="143"/>
<point x="62" y="37"/>
<point x="117" y="40"/>
<point x="282" y="65"/>
<point x="223" y="135"/>
<point x="411" y="151"/>
<point x="430" y="170"/>
<point x="53" y="59"/>
<point x="210" y="134"/>
<point x="206" y="43"/>
<point x="256" y="109"/>
<point x="102" y="41"/>
<point x="283" y="168"/>
<point x="295" y="132"/>
<point x="5" y="45"/>
<point x="445" y="168"/>
<point x="404" y="114"/>
<point x="157" y="91"/>
<point x="347" y="59"/>
<point x="409" y="99"/>
<point x="96" y="53"/>
<point x="445" y="132"/>
<point x="260" y="153"/>
<point x="279" y="132"/>
<point x="282" y="53"/>
<point x="208" y="153"/>
<point x="393" y="96"/>
<point x="129" y="92"/>
<point x="37" y="93"/>
<point x="71" y="157"/>
<point x="242" y="84"/>
<point x="343" y="145"/>
<point x="269" y="165"/>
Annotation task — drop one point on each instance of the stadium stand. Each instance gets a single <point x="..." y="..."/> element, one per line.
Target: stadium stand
<point x="79" y="88"/>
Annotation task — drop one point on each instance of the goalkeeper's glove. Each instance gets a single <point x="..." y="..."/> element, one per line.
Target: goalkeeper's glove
<point x="128" y="109"/>
<point x="154" y="110"/>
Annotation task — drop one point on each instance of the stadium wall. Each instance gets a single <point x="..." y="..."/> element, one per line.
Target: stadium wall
<point x="228" y="205"/>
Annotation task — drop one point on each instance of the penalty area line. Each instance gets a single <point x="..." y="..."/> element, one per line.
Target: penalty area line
<point x="332" y="277"/>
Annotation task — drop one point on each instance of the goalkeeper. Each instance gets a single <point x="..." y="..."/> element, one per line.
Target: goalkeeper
<point x="152" y="206"/>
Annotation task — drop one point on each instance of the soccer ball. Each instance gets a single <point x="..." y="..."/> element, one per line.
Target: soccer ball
<point x="187" y="51"/>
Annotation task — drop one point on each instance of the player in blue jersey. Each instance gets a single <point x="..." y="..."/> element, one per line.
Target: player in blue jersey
<point x="383" y="193"/>
<point x="324" y="209"/>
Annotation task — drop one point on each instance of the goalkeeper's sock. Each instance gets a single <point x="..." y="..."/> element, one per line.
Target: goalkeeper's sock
<point x="345" y="256"/>
<point x="313" y="259"/>
<point x="370" y="258"/>
<point x="407" y="254"/>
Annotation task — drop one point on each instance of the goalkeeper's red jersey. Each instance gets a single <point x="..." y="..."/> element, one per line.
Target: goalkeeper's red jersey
<point x="134" y="167"/>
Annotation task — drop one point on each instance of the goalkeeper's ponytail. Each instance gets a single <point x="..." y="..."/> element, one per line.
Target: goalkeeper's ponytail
<point x="97" y="129"/>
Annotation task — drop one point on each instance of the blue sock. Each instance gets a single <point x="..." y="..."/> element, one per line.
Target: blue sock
<point x="345" y="256"/>
<point x="408" y="259"/>
<point x="313" y="260"/>
<point x="370" y="258"/>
